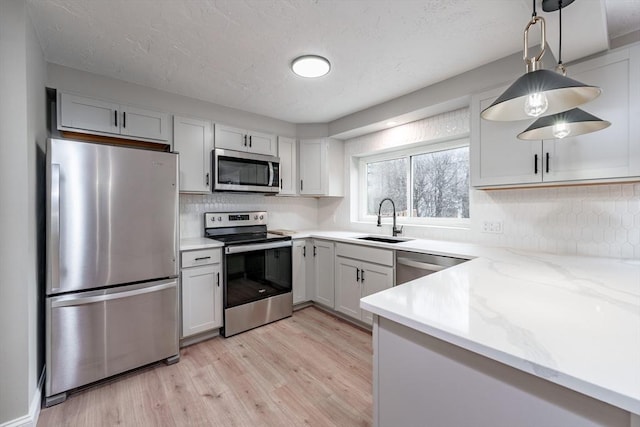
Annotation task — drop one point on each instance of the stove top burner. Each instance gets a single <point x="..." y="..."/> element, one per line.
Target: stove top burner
<point x="239" y="228"/>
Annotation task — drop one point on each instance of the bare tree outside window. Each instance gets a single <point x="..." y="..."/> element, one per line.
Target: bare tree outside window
<point x="387" y="178"/>
<point x="441" y="184"/>
<point x="438" y="182"/>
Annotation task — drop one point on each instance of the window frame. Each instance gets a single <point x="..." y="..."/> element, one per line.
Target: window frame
<point x="407" y="152"/>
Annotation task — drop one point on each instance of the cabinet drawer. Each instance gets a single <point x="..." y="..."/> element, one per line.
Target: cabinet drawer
<point x="200" y="257"/>
<point x="365" y="253"/>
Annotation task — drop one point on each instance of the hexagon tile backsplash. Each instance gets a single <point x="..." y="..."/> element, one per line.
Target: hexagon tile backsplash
<point x="597" y="220"/>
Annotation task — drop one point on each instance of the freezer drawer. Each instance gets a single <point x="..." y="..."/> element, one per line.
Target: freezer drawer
<point x="93" y="335"/>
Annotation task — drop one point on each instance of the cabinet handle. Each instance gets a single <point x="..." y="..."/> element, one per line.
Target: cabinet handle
<point x="362" y="275"/>
<point x="547" y="166"/>
<point x="357" y="274"/>
<point x="207" y="179"/>
<point x="304" y="251"/>
<point x="245" y="140"/>
<point x="202" y="258"/>
<point x="314" y="251"/>
<point x="124" y="119"/>
<point x="301" y="185"/>
<point x="115" y="116"/>
<point x="535" y="164"/>
<point x="281" y="183"/>
<point x="249" y="140"/>
<point x="218" y="278"/>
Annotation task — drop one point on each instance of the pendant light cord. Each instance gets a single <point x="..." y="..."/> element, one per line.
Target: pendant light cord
<point x="534" y="14"/>
<point x="560" y="32"/>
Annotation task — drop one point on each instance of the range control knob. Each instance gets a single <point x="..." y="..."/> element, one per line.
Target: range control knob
<point x="219" y="218"/>
<point x="255" y="217"/>
<point x="213" y="219"/>
<point x="261" y="216"/>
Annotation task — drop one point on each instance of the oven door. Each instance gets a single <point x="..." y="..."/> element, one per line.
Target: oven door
<point x="245" y="172"/>
<point x="256" y="271"/>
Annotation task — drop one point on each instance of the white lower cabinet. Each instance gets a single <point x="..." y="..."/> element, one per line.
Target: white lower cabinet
<point x="299" y="271"/>
<point x="201" y="285"/>
<point x="323" y="262"/>
<point x="356" y="278"/>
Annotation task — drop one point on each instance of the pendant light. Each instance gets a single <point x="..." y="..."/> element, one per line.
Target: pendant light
<point x="573" y="122"/>
<point x="538" y="92"/>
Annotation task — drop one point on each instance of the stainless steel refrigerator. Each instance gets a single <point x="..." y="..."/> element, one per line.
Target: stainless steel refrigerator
<point x="112" y="238"/>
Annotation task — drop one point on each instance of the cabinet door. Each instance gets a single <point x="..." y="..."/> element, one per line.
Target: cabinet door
<point x="287" y="153"/>
<point x="313" y="166"/>
<point x="347" y="287"/>
<point x="374" y="278"/>
<point x="611" y="152"/>
<point x="201" y="299"/>
<point x="323" y="253"/>
<point x="498" y="157"/>
<point x="298" y="261"/>
<point x="262" y="143"/>
<point x="193" y="140"/>
<point x="141" y="123"/>
<point x="88" y="114"/>
<point x="230" y="138"/>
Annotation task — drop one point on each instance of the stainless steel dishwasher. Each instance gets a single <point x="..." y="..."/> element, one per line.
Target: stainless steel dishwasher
<point x="413" y="265"/>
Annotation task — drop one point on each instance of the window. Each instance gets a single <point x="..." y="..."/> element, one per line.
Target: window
<point x="427" y="184"/>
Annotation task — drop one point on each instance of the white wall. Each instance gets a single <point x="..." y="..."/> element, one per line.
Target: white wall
<point x="602" y="220"/>
<point x="289" y="213"/>
<point x="22" y="127"/>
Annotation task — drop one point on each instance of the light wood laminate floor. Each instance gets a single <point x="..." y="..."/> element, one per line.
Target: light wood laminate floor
<point x="309" y="369"/>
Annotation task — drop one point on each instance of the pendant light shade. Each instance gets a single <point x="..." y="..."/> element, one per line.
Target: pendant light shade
<point x="568" y="123"/>
<point x="539" y="92"/>
<point x="561" y="93"/>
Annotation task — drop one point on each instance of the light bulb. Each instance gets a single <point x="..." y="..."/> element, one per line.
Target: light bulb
<point x="561" y="129"/>
<point x="535" y="104"/>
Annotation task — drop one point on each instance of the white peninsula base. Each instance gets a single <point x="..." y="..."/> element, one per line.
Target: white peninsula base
<point x="420" y="380"/>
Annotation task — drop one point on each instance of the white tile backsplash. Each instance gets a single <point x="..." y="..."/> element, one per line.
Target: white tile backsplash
<point x="600" y="220"/>
<point x="290" y="213"/>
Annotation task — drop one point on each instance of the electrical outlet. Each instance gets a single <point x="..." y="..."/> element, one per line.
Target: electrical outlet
<point x="494" y="227"/>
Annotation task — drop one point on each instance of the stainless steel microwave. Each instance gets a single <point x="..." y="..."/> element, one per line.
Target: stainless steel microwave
<point x="245" y="172"/>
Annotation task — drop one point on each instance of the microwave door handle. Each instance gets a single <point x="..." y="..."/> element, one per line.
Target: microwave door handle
<point x="271" y="174"/>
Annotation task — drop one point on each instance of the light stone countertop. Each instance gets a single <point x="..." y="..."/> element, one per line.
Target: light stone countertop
<point x="195" y="243"/>
<point x="572" y="320"/>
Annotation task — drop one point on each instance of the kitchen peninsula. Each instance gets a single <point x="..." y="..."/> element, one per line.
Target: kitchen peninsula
<point x="510" y="338"/>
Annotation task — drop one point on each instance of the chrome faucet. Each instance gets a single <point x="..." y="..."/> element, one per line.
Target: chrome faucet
<point x="395" y="230"/>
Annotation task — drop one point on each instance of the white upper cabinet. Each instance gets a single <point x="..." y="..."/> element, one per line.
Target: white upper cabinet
<point x="288" y="166"/>
<point x="321" y="167"/>
<point x="498" y="158"/>
<point x="193" y="140"/>
<point x="245" y="140"/>
<point x="88" y="115"/>
<point x="142" y="123"/>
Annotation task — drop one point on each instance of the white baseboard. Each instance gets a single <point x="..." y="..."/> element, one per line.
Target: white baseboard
<point x="30" y="419"/>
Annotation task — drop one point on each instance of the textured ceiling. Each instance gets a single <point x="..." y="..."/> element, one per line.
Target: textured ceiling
<point x="237" y="53"/>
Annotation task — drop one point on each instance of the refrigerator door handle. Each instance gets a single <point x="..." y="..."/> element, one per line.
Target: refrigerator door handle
<point x="68" y="301"/>
<point x="54" y="241"/>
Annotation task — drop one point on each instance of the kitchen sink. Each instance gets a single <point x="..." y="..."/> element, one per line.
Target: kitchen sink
<point x="384" y="239"/>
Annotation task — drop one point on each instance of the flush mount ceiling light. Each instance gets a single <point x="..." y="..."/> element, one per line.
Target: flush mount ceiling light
<point x="573" y="122"/>
<point x="310" y="66"/>
<point x="538" y="92"/>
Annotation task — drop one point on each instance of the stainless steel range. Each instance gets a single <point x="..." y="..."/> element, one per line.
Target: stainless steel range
<point x="257" y="270"/>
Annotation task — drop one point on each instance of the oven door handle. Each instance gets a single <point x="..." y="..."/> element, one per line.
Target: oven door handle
<point x="256" y="247"/>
